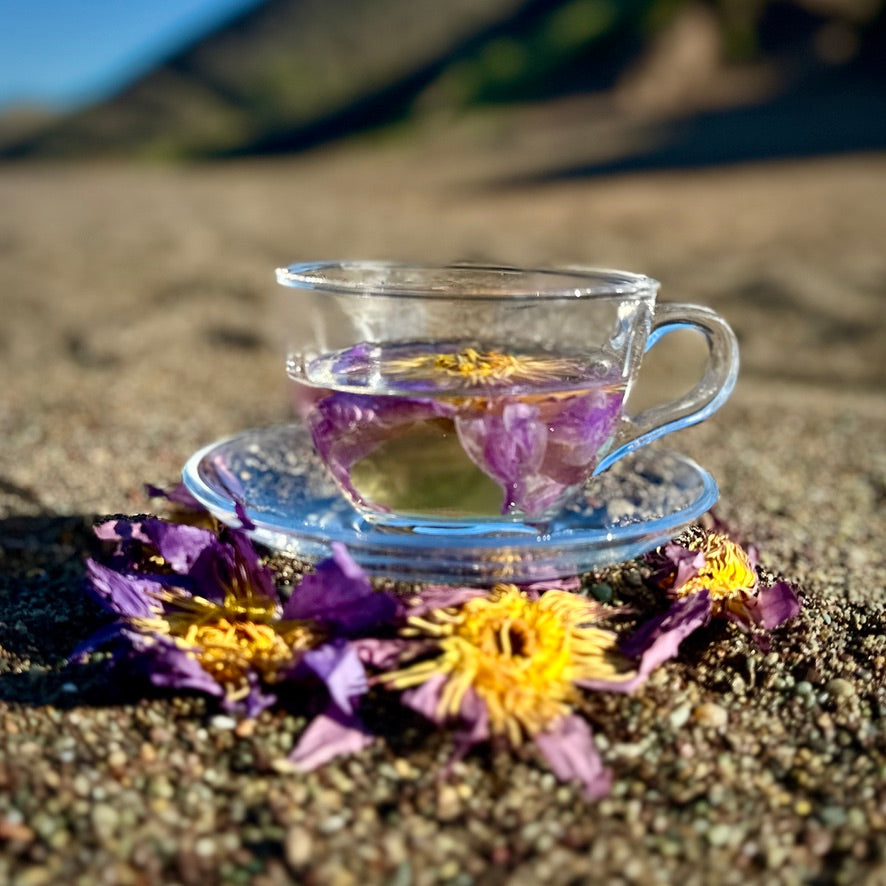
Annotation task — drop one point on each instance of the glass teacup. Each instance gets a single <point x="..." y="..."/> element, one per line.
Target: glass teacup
<point x="470" y="394"/>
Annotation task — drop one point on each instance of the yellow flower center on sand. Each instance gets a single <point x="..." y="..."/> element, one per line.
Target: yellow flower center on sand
<point x="727" y="572"/>
<point x="520" y="655"/>
<point x="231" y="639"/>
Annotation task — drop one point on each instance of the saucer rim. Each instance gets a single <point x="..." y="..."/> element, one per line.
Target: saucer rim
<point x="316" y="541"/>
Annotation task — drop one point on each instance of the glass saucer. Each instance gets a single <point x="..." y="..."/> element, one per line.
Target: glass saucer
<point x="640" y="502"/>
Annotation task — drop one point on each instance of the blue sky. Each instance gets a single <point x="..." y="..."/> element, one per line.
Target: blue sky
<point x="64" y="53"/>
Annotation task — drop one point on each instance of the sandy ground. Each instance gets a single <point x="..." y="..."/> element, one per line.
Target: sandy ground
<point x="138" y="325"/>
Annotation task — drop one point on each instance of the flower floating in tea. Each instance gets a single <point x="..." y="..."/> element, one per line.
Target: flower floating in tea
<point x="470" y="433"/>
<point x="197" y="610"/>
<point x="715" y="568"/>
<point x="483" y="368"/>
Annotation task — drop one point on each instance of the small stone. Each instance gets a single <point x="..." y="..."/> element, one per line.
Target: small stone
<point x="839" y="688"/>
<point x="298" y="846"/>
<point x="719" y="835"/>
<point x="832" y="816"/>
<point x="244" y="729"/>
<point x="223" y="721"/>
<point x="601" y="592"/>
<point x="679" y="716"/>
<point x="712" y="715"/>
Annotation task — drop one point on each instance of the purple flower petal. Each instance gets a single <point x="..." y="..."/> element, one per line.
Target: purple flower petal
<point x="231" y="564"/>
<point x="442" y="597"/>
<point x="347" y="427"/>
<point x="425" y="698"/>
<point x="168" y="666"/>
<point x="509" y="446"/>
<point x="338" y="594"/>
<point x="382" y="654"/>
<point x="579" y="433"/>
<point x="773" y="606"/>
<point x="339" y="667"/>
<point x="568" y="747"/>
<point x="128" y="595"/>
<point x="177" y="543"/>
<point x="686" y="564"/>
<point x="254" y="702"/>
<point x="329" y="735"/>
<point x="658" y="640"/>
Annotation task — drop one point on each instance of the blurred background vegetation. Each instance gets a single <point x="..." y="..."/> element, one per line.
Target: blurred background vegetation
<point x="289" y="74"/>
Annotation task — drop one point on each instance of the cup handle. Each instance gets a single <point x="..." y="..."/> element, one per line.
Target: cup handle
<point x="708" y="395"/>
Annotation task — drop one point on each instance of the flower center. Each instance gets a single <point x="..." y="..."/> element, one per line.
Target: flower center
<point x="519" y="654"/>
<point x="727" y="572"/>
<point x="486" y="368"/>
<point x="228" y="649"/>
<point x="232" y="638"/>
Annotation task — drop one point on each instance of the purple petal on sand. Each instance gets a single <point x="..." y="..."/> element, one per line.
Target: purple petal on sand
<point x="339" y="667"/>
<point x="338" y="594"/>
<point x="658" y="640"/>
<point x="177" y="543"/>
<point x="167" y="665"/>
<point x="254" y="702"/>
<point x="773" y="606"/>
<point x="121" y="593"/>
<point x="329" y="735"/>
<point x="121" y="531"/>
<point x="568" y="747"/>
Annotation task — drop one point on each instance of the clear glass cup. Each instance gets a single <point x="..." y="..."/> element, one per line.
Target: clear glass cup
<point x="469" y="394"/>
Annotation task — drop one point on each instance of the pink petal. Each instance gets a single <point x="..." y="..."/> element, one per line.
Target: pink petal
<point x="330" y="735"/>
<point x="773" y="606"/>
<point x="568" y="747"/>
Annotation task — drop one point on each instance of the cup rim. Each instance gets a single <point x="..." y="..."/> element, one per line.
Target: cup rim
<point x="567" y="282"/>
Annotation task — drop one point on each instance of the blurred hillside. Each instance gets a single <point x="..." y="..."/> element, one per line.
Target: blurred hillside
<point x="292" y="73"/>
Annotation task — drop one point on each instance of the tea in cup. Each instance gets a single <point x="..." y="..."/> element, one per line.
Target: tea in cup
<point x="470" y="394"/>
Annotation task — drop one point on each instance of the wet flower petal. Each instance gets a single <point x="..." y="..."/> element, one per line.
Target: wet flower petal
<point x="347" y="427"/>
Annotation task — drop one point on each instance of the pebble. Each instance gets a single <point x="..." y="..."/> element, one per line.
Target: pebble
<point x="680" y="716"/>
<point x="839" y="688"/>
<point x="711" y="715"/>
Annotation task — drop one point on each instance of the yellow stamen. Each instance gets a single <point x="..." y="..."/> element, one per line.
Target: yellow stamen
<point x="520" y="655"/>
<point x="484" y="368"/>
<point x="727" y="573"/>
<point x="230" y="639"/>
